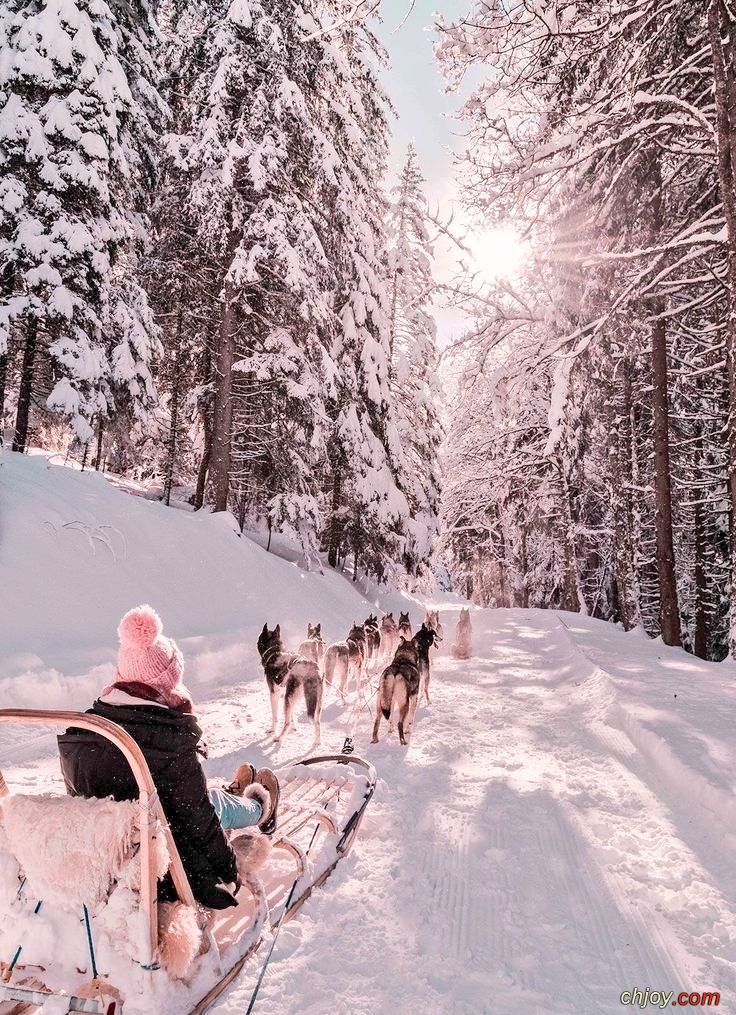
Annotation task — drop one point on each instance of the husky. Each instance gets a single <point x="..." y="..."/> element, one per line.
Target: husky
<point x="399" y="685"/>
<point x="404" y="626"/>
<point x="346" y="659"/>
<point x="424" y="640"/>
<point x="314" y="646"/>
<point x="337" y="666"/>
<point x="289" y="674"/>
<point x="389" y="637"/>
<point x="432" y="619"/>
<point x="373" y="638"/>
<point x="358" y="653"/>
<point x="463" y="647"/>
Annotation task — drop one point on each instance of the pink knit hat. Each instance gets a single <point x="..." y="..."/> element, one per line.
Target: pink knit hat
<point x="145" y="657"/>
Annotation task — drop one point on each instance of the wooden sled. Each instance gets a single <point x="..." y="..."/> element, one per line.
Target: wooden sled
<point x="323" y="800"/>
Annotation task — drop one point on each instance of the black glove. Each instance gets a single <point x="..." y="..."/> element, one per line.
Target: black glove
<point x="215" y="897"/>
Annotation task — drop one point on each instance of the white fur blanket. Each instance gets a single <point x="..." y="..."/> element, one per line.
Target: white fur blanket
<point x="72" y="849"/>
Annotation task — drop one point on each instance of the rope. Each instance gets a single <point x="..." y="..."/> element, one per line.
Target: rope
<point x="285" y="910"/>
<point x="89" y="942"/>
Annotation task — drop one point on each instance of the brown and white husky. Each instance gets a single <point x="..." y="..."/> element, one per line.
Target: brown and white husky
<point x="346" y="660"/>
<point x="389" y="638"/>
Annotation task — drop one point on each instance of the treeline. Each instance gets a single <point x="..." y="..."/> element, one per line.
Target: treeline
<point x="203" y="279"/>
<point x="592" y="457"/>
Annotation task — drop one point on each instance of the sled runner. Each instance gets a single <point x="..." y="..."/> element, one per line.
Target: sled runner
<point x="79" y="920"/>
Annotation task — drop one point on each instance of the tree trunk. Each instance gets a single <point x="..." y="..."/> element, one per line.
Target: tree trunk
<point x="619" y="482"/>
<point x="26" y="386"/>
<point x="100" y="435"/>
<point x="3" y="378"/>
<point x="335" y="527"/>
<point x="175" y="394"/>
<point x="719" y="27"/>
<point x="668" y="606"/>
<point x="222" y="415"/>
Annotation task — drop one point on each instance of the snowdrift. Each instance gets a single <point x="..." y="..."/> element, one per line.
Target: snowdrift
<point x="76" y="553"/>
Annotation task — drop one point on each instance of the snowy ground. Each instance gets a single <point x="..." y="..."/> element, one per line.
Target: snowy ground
<point x="560" y="829"/>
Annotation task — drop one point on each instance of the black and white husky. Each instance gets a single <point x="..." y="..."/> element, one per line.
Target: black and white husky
<point x="432" y="619"/>
<point x="424" y="640"/>
<point x="373" y="639"/>
<point x="313" y="647"/>
<point x="398" y="688"/>
<point x="289" y="674"/>
<point x="463" y="647"/>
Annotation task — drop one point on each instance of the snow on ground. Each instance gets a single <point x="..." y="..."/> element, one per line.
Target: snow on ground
<point x="560" y="829"/>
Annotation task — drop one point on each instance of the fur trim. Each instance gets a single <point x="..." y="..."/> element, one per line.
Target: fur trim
<point x="139" y="628"/>
<point x="179" y="938"/>
<point x="257" y="792"/>
<point x="252" y="850"/>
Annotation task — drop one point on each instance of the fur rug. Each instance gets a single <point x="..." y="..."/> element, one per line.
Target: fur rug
<point x="79" y="847"/>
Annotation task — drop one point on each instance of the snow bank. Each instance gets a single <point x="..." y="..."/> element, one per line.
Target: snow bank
<point x="76" y="553"/>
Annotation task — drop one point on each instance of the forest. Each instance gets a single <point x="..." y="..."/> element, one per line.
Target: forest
<point x="212" y="281"/>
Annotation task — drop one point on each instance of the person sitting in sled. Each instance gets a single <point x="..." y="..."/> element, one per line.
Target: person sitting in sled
<point x="149" y="700"/>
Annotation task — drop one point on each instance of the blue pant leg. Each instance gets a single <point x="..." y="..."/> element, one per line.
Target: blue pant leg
<point x="234" y="811"/>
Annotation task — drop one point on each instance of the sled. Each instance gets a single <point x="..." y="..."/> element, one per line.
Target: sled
<point x="323" y="800"/>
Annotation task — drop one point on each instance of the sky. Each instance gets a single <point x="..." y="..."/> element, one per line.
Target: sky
<point x="425" y="115"/>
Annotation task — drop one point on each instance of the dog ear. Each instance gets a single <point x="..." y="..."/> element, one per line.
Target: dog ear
<point x="318" y="629"/>
<point x="265" y="629"/>
<point x="277" y="630"/>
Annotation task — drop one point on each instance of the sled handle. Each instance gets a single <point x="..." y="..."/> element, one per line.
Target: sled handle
<point x="148" y="802"/>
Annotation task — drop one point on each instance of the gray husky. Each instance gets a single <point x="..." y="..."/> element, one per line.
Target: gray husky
<point x="289" y="674"/>
<point x="463" y="647"/>
<point x="404" y="625"/>
<point x="398" y="686"/>
<point x="314" y="646"/>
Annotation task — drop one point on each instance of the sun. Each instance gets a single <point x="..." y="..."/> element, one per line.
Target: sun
<point x="497" y="253"/>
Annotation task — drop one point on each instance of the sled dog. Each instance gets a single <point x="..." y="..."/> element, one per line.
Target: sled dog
<point x="424" y="639"/>
<point x="432" y="619"/>
<point x="404" y="626"/>
<point x="289" y="674"/>
<point x="463" y="647"/>
<point x="389" y="638"/>
<point x="337" y="664"/>
<point x="373" y="638"/>
<point x="358" y="651"/>
<point x="398" y="686"/>
<point x="314" y="646"/>
<point x="346" y="659"/>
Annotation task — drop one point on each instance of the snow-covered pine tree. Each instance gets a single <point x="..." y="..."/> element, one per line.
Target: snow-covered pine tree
<point x="414" y="383"/>
<point x="367" y="510"/>
<point x="77" y="104"/>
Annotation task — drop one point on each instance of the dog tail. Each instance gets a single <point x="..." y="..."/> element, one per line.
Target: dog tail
<point x="331" y="656"/>
<point x="386" y="691"/>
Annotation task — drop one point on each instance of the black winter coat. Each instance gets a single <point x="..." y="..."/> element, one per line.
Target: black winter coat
<point x="94" y="767"/>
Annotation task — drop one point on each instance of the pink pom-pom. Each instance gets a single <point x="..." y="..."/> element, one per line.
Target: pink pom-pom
<point x="139" y="628"/>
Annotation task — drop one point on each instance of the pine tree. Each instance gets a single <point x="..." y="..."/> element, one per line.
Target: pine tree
<point x="78" y="101"/>
<point x="413" y="359"/>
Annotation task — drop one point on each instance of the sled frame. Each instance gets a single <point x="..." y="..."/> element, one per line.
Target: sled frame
<point x="343" y="847"/>
<point x="150" y="811"/>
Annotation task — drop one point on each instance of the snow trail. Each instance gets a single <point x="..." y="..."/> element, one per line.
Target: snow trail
<point x="543" y="844"/>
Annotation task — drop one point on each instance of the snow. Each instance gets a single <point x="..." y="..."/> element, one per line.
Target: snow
<point x="559" y="830"/>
